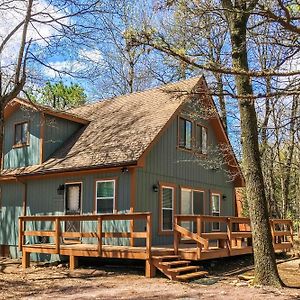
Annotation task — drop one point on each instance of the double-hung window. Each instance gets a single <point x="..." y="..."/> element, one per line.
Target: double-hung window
<point x="167" y="208"/>
<point x="185" y="133"/>
<point x="201" y="139"/>
<point x="21" y="134"/>
<point x="215" y="210"/>
<point x="105" y="196"/>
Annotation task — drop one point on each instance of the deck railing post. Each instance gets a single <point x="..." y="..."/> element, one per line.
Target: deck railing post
<point x="99" y="232"/>
<point x="199" y="231"/>
<point x="273" y="233"/>
<point x="57" y="235"/>
<point x="292" y="232"/>
<point x="149" y="236"/>
<point x="229" y="231"/>
<point x="176" y="236"/>
<point x="21" y="234"/>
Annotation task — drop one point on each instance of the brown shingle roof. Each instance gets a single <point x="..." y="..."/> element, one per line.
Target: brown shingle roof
<point x="120" y="129"/>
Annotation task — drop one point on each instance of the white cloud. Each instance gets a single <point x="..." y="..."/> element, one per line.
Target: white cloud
<point x="86" y="59"/>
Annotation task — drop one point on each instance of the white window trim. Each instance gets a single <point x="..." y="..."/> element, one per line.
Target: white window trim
<point x="114" y="195"/>
<point x="219" y="211"/>
<point x="162" y="208"/>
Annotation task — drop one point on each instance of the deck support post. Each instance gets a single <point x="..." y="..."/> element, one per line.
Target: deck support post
<point x="73" y="262"/>
<point x="150" y="270"/>
<point x="25" y="259"/>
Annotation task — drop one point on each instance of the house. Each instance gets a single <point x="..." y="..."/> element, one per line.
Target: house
<point x="143" y="152"/>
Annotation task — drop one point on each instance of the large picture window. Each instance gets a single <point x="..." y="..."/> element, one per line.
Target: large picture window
<point x="21" y="134"/>
<point x="167" y="208"/>
<point x="215" y="210"/>
<point x="201" y="139"/>
<point x="105" y="196"/>
<point x="185" y="133"/>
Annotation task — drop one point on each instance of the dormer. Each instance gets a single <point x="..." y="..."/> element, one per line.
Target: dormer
<point x="33" y="132"/>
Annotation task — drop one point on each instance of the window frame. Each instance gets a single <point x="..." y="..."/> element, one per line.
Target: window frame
<point x="114" y="180"/>
<point x="25" y="144"/>
<point x="179" y="136"/>
<point x="192" y="190"/>
<point x="174" y="190"/>
<point x="196" y="142"/>
<point x="211" y="210"/>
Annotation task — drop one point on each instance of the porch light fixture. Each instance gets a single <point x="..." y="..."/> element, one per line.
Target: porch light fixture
<point x="224" y="197"/>
<point x="124" y="170"/>
<point x="61" y="189"/>
<point x="155" y="187"/>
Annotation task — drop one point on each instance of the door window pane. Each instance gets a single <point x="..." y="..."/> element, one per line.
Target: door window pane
<point x="198" y="202"/>
<point x="73" y="197"/>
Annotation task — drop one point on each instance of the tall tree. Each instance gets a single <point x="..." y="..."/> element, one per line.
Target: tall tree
<point x="61" y="96"/>
<point x="237" y="14"/>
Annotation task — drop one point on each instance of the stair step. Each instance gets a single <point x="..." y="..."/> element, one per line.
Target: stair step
<point x="175" y="263"/>
<point x="183" y="269"/>
<point x="193" y="275"/>
<point x="166" y="257"/>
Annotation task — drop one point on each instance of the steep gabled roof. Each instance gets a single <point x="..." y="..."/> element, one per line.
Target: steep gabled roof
<point x="120" y="131"/>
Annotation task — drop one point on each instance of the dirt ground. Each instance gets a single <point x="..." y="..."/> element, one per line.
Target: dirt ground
<point x="103" y="281"/>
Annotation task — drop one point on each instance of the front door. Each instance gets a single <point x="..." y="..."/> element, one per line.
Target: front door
<point x="192" y="203"/>
<point x="72" y="205"/>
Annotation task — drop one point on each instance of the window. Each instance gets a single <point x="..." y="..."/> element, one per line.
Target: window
<point x="185" y="133"/>
<point x="21" y="134"/>
<point x="167" y="208"/>
<point x="201" y="139"/>
<point x="105" y="196"/>
<point x="192" y="203"/>
<point x="215" y="210"/>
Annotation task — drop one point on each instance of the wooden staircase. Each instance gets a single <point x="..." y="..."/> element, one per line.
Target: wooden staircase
<point x="177" y="269"/>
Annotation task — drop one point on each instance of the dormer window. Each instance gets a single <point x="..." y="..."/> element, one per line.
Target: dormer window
<point x="21" y="134"/>
<point x="185" y="133"/>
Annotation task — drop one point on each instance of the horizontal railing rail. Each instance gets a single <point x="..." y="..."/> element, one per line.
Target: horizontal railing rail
<point x="237" y="230"/>
<point x="57" y="233"/>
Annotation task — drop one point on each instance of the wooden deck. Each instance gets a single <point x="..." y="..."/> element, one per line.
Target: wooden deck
<point x="189" y="245"/>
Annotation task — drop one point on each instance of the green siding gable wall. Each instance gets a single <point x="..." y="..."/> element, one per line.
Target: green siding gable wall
<point x="57" y="132"/>
<point x="166" y="163"/>
<point x="27" y="155"/>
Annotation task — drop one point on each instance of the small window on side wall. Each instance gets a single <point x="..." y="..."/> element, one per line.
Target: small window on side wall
<point x="105" y="196"/>
<point x="21" y="134"/>
<point x="185" y="133"/>
<point x="201" y="139"/>
<point x="167" y="208"/>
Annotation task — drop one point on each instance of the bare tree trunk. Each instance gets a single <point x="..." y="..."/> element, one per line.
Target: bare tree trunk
<point x="266" y="272"/>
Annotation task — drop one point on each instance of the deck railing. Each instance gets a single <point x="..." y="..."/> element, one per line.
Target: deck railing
<point x="234" y="232"/>
<point x="58" y="234"/>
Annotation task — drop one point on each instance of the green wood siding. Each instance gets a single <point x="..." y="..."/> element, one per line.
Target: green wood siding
<point x="168" y="164"/>
<point x="11" y="210"/>
<point x="57" y="132"/>
<point x="42" y="199"/>
<point x="27" y="155"/>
